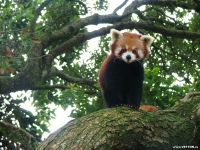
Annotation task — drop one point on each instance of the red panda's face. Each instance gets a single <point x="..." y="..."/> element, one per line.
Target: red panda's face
<point x="130" y="46"/>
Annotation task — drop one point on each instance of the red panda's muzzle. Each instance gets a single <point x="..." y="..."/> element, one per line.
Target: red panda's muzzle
<point x="128" y="56"/>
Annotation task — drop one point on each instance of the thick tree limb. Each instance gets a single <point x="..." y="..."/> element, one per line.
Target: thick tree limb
<point x="69" y="30"/>
<point x="82" y="37"/>
<point x="124" y="128"/>
<point x="161" y="30"/>
<point x="67" y="78"/>
<point x="112" y="18"/>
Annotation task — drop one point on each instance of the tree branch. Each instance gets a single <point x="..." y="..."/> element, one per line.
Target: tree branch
<point x="120" y="6"/>
<point x="177" y="3"/>
<point x="124" y="128"/>
<point x="71" y="79"/>
<point x="18" y="135"/>
<point x="49" y="87"/>
<point x="158" y="21"/>
<point x="137" y="3"/>
<point x="82" y="37"/>
<point x="75" y="26"/>
<point x="66" y="78"/>
<point x="68" y="30"/>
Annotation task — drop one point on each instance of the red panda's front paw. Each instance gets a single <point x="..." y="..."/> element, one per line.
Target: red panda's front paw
<point x="133" y="106"/>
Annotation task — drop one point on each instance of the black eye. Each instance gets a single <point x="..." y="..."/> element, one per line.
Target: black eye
<point x="122" y="51"/>
<point x="134" y="52"/>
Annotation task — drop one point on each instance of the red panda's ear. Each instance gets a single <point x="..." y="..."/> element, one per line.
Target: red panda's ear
<point x="115" y="34"/>
<point x="148" y="40"/>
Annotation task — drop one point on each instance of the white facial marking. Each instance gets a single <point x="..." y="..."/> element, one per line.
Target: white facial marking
<point x="127" y="47"/>
<point x="149" y="50"/>
<point x="115" y="35"/>
<point x="133" y="47"/>
<point x="148" y="40"/>
<point x="140" y="53"/>
<point x="117" y="51"/>
<point x="128" y="54"/>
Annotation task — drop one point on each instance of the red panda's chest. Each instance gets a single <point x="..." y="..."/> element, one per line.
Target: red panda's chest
<point x="116" y="71"/>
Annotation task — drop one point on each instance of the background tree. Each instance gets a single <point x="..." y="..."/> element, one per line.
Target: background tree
<point x="43" y="45"/>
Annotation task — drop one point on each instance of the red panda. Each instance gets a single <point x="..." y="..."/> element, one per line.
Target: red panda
<point x="121" y="75"/>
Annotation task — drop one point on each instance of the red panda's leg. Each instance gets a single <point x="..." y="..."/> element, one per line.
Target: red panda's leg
<point x="112" y="98"/>
<point x="134" y="96"/>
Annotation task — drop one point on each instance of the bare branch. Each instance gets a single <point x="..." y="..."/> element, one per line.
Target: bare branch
<point x="50" y="87"/>
<point x="67" y="31"/>
<point x="137" y="3"/>
<point x="82" y="37"/>
<point x="71" y="79"/>
<point x="113" y="18"/>
<point x="159" y="29"/>
<point x="120" y="6"/>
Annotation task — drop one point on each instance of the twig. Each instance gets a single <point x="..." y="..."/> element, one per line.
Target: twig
<point x="71" y="79"/>
<point x="120" y="6"/>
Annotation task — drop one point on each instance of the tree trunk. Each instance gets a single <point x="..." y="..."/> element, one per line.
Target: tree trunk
<point x="123" y="128"/>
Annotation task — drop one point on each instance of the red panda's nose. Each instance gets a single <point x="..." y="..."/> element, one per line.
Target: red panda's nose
<point x="128" y="57"/>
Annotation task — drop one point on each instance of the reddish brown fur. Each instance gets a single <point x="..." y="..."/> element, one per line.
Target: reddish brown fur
<point x="146" y="52"/>
<point x="113" y="47"/>
<point x="148" y="108"/>
<point x="130" y="40"/>
<point x="103" y="69"/>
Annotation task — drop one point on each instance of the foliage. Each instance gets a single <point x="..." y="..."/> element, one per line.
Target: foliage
<point x="35" y="56"/>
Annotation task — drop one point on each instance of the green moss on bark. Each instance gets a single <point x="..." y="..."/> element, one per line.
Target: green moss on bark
<point x="123" y="128"/>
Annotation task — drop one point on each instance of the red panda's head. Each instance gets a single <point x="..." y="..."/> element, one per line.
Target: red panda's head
<point x="130" y="46"/>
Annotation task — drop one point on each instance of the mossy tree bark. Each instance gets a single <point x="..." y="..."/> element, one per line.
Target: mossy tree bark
<point x="123" y="128"/>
